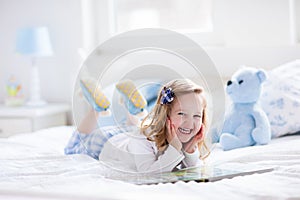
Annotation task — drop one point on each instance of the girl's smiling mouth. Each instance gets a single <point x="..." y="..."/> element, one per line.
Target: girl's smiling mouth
<point x="184" y="130"/>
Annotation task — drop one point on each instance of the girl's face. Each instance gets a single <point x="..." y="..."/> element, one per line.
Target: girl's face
<point x="186" y="115"/>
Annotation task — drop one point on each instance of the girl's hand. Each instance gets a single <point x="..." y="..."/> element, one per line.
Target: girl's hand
<point x="191" y="145"/>
<point x="172" y="136"/>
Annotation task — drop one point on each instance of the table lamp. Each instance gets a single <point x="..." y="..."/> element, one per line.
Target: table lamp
<point x="34" y="42"/>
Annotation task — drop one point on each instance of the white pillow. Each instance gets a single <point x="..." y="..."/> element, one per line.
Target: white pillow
<point x="281" y="98"/>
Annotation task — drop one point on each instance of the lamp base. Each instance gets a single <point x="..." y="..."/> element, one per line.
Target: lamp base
<point x="36" y="103"/>
<point x="35" y="97"/>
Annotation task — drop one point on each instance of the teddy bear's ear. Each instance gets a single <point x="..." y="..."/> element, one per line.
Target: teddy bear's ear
<point x="262" y="75"/>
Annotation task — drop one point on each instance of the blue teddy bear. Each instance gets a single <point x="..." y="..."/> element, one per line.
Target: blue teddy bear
<point x="246" y="123"/>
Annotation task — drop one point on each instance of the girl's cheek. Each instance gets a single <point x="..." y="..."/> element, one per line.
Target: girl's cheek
<point x="199" y="126"/>
<point x="176" y="120"/>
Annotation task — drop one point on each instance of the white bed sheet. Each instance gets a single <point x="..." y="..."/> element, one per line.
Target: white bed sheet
<point x="33" y="165"/>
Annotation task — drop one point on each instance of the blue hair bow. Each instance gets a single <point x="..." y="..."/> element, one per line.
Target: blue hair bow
<point x="167" y="96"/>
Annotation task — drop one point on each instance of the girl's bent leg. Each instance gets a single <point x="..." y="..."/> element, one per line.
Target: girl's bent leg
<point x="89" y="122"/>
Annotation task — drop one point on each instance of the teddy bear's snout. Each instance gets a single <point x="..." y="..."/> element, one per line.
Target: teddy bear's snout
<point x="229" y="82"/>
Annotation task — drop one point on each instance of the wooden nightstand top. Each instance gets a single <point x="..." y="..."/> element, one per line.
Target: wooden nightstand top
<point x="28" y="111"/>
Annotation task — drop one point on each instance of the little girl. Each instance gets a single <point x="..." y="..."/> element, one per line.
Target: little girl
<point x="171" y="135"/>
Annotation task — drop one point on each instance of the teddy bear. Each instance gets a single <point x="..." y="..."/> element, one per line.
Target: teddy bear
<point x="246" y="123"/>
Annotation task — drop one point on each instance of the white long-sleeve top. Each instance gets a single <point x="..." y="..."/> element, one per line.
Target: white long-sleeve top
<point x="132" y="152"/>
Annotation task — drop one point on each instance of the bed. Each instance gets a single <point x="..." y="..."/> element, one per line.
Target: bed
<point x="33" y="165"/>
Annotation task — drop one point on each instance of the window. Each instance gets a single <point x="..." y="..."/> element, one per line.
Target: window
<point x="186" y="16"/>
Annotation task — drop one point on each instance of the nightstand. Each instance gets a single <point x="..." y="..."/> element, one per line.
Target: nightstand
<point x="15" y="120"/>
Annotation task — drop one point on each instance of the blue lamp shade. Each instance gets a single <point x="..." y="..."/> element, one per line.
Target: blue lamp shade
<point x="34" y="41"/>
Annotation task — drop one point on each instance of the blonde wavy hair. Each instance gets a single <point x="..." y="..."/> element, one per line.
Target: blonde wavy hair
<point x="154" y="126"/>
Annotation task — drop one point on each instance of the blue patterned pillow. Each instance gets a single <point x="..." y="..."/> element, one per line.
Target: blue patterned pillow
<point x="281" y="99"/>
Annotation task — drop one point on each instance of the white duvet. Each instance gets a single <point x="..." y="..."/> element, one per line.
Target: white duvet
<point x="33" y="165"/>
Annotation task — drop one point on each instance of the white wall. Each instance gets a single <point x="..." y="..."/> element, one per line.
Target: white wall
<point x="229" y="59"/>
<point x="258" y="33"/>
<point x="297" y="19"/>
<point x="63" y="18"/>
<point x="253" y="22"/>
<point x="250" y="32"/>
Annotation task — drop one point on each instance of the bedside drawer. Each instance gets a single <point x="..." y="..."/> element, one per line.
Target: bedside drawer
<point x="12" y="126"/>
<point x="22" y="119"/>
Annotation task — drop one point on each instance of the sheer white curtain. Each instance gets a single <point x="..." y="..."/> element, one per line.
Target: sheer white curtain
<point x="178" y="15"/>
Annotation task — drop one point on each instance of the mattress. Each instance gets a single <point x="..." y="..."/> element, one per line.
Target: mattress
<point x="33" y="166"/>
